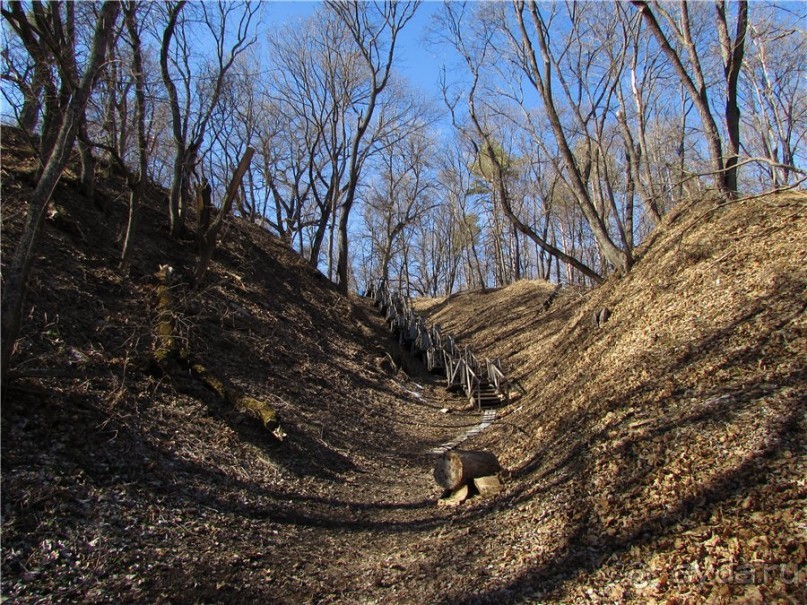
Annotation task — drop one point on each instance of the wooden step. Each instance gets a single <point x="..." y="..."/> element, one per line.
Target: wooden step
<point x="489" y="402"/>
<point x="488" y="397"/>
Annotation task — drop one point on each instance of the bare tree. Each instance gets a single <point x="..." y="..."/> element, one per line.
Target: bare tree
<point x="109" y="111"/>
<point x="455" y="179"/>
<point x="475" y="48"/>
<point x="693" y="78"/>
<point x="137" y="183"/>
<point x="533" y="27"/>
<point x="16" y="276"/>
<point x="732" y="52"/>
<point x="42" y="34"/>
<point x="229" y="25"/>
<point x="776" y="97"/>
<point x="399" y="197"/>
<point x="310" y="100"/>
<point x="236" y="125"/>
<point x="374" y="28"/>
<point x="49" y="34"/>
<point x="26" y="75"/>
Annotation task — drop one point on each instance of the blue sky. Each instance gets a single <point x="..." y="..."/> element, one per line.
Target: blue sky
<point x="414" y="59"/>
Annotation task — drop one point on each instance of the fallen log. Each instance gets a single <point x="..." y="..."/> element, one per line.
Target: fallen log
<point x="242" y="402"/>
<point x="455" y="468"/>
<point x="173" y="361"/>
<point x="166" y="348"/>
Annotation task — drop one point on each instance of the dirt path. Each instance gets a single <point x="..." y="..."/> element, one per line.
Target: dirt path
<point x="122" y="485"/>
<point x="174" y="505"/>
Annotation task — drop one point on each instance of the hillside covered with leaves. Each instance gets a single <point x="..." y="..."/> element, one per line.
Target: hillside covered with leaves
<point x="661" y="455"/>
<point x="658" y="457"/>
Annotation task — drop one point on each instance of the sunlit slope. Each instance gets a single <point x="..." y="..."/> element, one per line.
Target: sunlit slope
<point x="674" y="434"/>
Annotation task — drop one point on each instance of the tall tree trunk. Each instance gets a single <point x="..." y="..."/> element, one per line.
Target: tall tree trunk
<point x="476" y="263"/>
<point x="319" y="237"/>
<point x="32" y="105"/>
<point x="681" y="150"/>
<point x="332" y="242"/>
<point x="87" y="176"/>
<point x="633" y="155"/>
<point x="138" y="187"/>
<point x="732" y="52"/>
<point x="175" y="194"/>
<point x="174" y="216"/>
<point x="52" y="122"/>
<point x="343" y="262"/>
<point x="630" y="191"/>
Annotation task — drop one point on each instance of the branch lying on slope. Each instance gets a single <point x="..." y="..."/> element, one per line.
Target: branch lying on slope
<point x="171" y="359"/>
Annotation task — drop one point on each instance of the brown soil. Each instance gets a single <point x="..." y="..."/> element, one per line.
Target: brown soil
<point x="658" y="457"/>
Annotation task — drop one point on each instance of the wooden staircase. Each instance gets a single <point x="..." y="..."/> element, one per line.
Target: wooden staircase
<point x="484" y="384"/>
<point x="487" y="396"/>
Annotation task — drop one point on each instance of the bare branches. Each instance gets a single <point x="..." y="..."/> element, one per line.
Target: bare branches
<point x="374" y="28"/>
<point x="697" y="89"/>
<point x="191" y="112"/>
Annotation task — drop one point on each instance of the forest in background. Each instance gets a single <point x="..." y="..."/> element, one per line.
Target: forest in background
<point x="562" y="134"/>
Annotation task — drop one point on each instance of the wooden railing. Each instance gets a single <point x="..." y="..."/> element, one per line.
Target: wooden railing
<point x="483" y="384"/>
<point x="497" y="377"/>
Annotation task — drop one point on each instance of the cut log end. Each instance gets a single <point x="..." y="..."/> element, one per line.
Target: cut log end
<point x="488" y="486"/>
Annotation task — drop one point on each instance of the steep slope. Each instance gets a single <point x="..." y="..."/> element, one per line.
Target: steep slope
<point x="120" y="483"/>
<point x="662" y="455"/>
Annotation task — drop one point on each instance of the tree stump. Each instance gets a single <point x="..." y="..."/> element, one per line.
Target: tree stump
<point x="455" y="468"/>
<point x="601" y="316"/>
